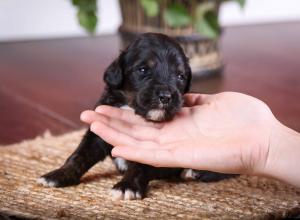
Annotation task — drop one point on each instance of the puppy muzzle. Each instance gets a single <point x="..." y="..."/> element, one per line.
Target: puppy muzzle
<point x="159" y="102"/>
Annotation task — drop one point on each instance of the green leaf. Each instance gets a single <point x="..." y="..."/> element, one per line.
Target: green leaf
<point x="88" y="20"/>
<point x="204" y="7"/>
<point x="241" y="3"/>
<point x="87" y="14"/>
<point x="86" y="5"/>
<point x="209" y="26"/>
<point x="151" y="7"/>
<point x="206" y="20"/>
<point x="176" y="15"/>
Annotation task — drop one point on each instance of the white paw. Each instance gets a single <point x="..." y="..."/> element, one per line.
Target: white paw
<point x="188" y="174"/>
<point x="44" y="182"/>
<point x="128" y="195"/>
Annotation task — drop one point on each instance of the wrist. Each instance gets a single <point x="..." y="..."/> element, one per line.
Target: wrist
<point x="283" y="159"/>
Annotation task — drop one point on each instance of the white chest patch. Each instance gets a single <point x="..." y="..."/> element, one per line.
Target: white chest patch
<point x="121" y="164"/>
<point x="156" y="114"/>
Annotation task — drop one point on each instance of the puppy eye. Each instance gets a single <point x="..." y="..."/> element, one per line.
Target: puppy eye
<point x="143" y="70"/>
<point x="181" y="76"/>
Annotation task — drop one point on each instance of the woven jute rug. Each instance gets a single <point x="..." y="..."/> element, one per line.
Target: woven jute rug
<point x="21" y="164"/>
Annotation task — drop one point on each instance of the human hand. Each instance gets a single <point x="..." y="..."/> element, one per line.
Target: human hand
<point x="227" y="132"/>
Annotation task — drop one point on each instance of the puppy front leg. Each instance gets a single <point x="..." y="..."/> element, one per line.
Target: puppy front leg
<point x="133" y="184"/>
<point x="90" y="150"/>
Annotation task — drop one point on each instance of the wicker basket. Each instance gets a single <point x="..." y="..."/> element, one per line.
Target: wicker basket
<point x="204" y="55"/>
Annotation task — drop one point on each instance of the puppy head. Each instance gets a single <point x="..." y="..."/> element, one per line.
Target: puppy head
<point x="153" y="73"/>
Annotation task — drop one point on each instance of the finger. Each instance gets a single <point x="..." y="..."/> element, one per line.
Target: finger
<point x="139" y="132"/>
<point x="205" y="155"/>
<point x="217" y="155"/>
<point x="192" y="99"/>
<point x="115" y="137"/>
<point x="112" y="136"/>
<point x="152" y="156"/>
<point x="121" y="114"/>
<point x="89" y="116"/>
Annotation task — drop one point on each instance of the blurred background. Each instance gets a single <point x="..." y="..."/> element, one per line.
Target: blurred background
<point x="35" y="19"/>
<point x="51" y="66"/>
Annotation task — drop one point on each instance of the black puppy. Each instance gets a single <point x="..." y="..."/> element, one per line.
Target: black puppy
<point x="150" y="76"/>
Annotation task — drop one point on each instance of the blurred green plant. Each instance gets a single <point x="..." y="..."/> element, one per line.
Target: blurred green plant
<point x="176" y="15"/>
<point x="87" y="14"/>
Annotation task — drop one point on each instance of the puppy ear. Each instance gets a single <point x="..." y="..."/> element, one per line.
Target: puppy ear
<point x="113" y="75"/>
<point x="189" y="79"/>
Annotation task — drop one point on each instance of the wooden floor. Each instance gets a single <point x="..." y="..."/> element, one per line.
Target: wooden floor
<point x="44" y="85"/>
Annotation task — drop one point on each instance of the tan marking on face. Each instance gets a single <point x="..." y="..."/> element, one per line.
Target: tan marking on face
<point x="150" y="63"/>
<point x="129" y="97"/>
<point x="180" y="68"/>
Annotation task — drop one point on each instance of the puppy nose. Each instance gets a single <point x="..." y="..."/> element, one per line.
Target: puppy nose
<point x="164" y="97"/>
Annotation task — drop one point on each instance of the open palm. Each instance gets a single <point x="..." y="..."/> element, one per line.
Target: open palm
<point x="226" y="132"/>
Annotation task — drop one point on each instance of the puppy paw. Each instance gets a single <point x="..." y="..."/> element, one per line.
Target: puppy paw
<point x="127" y="191"/>
<point x="46" y="182"/>
<point x="58" y="178"/>
<point x="189" y="174"/>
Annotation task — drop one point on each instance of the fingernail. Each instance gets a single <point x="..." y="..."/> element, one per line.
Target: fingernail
<point x="83" y="116"/>
<point x="94" y="126"/>
<point x="115" y="152"/>
<point x="99" y="109"/>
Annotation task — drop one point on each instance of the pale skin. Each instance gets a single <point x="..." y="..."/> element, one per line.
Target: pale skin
<point x="226" y="132"/>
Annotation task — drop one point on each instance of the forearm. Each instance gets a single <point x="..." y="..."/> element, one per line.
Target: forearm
<point x="283" y="160"/>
